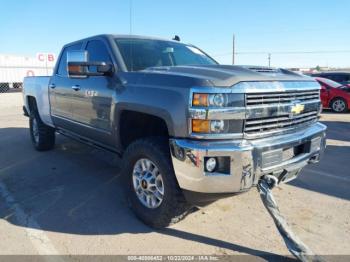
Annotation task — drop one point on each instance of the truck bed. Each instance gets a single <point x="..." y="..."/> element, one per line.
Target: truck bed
<point x="38" y="87"/>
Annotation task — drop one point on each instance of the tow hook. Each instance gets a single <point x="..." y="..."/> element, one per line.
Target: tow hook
<point x="271" y="181"/>
<point x="296" y="247"/>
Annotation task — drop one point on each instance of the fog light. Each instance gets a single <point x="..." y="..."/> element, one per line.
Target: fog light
<point x="210" y="165"/>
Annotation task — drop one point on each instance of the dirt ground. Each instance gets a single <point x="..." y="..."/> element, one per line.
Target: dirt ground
<point x="69" y="201"/>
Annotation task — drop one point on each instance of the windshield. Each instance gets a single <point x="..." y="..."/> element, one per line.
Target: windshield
<point x="139" y="54"/>
<point x="331" y="83"/>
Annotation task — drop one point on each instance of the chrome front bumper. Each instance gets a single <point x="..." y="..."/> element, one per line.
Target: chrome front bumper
<point x="248" y="159"/>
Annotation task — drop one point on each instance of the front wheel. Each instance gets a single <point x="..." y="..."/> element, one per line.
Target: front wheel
<point x="152" y="188"/>
<point x="339" y="105"/>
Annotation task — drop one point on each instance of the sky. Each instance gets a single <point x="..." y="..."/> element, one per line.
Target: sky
<point x="287" y="29"/>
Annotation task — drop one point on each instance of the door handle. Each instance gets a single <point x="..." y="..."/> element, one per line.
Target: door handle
<point x="76" y="87"/>
<point x="52" y="86"/>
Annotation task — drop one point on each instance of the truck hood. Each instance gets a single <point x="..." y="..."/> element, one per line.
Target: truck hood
<point x="227" y="75"/>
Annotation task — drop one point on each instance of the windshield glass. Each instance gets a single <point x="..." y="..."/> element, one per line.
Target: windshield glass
<point x="139" y="54"/>
<point x="331" y="83"/>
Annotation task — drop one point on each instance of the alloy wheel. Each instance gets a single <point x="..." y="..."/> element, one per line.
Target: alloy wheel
<point x="148" y="183"/>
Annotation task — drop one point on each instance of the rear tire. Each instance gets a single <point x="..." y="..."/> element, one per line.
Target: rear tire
<point x="339" y="105"/>
<point x="171" y="206"/>
<point x="42" y="136"/>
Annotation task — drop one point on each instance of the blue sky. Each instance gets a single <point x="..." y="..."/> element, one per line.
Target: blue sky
<point x="31" y="26"/>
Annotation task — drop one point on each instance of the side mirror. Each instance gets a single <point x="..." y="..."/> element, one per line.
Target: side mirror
<point x="78" y="65"/>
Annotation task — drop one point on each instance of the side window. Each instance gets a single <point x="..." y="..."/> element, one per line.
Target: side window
<point x="98" y="52"/>
<point x="62" y="67"/>
<point x="325" y="76"/>
<point x="337" y="78"/>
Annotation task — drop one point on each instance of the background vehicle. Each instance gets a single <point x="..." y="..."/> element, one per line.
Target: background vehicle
<point x="334" y="95"/>
<point x="189" y="130"/>
<point x="339" y="77"/>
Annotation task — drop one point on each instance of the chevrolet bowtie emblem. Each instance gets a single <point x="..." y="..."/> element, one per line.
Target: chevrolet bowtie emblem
<point x="296" y="109"/>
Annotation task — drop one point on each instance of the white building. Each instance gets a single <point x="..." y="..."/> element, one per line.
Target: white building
<point x="14" y="68"/>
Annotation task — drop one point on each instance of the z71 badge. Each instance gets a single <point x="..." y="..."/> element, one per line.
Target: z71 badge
<point x="91" y="93"/>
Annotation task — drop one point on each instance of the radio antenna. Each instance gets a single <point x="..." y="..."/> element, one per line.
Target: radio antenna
<point x="131" y="41"/>
<point x="130" y="17"/>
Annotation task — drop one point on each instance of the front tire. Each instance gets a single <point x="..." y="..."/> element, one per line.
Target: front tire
<point x="42" y="136"/>
<point x="152" y="188"/>
<point x="339" y="105"/>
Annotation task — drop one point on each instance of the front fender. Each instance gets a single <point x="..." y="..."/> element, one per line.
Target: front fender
<point x="169" y="104"/>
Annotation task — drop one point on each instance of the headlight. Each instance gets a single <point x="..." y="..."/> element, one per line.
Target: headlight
<point x="217" y="100"/>
<point x="210" y="126"/>
<point x="214" y="100"/>
<point x="210" y="113"/>
<point x="217" y="126"/>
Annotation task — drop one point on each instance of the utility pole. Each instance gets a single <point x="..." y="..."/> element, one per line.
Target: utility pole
<point x="233" y="49"/>
<point x="269" y="58"/>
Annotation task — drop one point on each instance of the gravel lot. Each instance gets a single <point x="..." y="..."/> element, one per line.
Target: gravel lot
<point x="69" y="201"/>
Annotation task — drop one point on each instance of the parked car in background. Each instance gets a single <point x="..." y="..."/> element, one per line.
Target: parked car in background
<point x="340" y="77"/>
<point x="334" y="95"/>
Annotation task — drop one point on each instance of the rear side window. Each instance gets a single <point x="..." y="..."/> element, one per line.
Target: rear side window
<point x="62" y="67"/>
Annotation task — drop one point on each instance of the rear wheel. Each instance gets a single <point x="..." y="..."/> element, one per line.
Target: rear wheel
<point x="339" y="105"/>
<point x="152" y="188"/>
<point x="43" y="136"/>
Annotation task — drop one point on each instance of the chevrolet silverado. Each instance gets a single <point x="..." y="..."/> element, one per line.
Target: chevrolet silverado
<point x="188" y="129"/>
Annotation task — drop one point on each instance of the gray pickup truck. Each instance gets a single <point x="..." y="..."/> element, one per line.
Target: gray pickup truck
<point x="189" y="130"/>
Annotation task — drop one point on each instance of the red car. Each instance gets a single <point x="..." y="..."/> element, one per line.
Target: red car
<point x="334" y="95"/>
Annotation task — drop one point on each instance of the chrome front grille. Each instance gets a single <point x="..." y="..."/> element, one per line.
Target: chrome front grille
<point x="272" y="112"/>
<point x="281" y="97"/>
<point x="279" y="123"/>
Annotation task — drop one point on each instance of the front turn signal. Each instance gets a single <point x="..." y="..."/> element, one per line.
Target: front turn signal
<point x="200" y="99"/>
<point x="200" y="126"/>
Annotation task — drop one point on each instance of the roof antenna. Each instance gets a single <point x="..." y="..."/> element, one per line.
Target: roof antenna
<point x="177" y="38"/>
<point x="130" y="17"/>
<point x="130" y="33"/>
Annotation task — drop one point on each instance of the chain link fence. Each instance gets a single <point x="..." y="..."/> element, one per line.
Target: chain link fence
<point x="11" y="87"/>
<point x="14" y="68"/>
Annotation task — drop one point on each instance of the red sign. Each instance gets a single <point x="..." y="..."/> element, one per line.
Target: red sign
<point x="45" y="57"/>
<point x="30" y="73"/>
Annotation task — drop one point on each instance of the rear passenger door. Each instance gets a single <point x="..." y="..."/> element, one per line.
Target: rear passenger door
<point x="92" y="101"/>
<point x="60" y="91"/>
